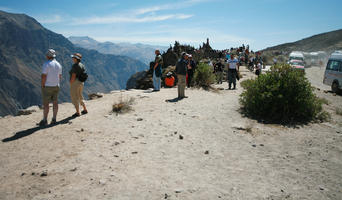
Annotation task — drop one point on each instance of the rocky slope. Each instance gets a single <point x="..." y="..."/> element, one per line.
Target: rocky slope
<point x="23" y="44"/>
<point x="328" y="42"/>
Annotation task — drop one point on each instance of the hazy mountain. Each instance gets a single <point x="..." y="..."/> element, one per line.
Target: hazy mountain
<point x="23" y="44"/>
<point x="142" y="52"/>
<point x="328" y="42"/>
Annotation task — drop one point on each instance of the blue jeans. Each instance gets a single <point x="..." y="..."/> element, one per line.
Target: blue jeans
<point x="156" y="81"/>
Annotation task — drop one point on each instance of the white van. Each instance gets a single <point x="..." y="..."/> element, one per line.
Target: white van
<point x="333" y="72"/>
<point x="296" y="55"/>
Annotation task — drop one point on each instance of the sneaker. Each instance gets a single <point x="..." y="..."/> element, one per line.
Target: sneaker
<point x="75" y="115"/>
<point x="84" y="112"/>
<point x="53" y="121"/>
<point x="43" y="122"/>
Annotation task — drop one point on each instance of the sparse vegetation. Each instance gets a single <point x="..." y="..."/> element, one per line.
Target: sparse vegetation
<point x="339" y="111"/>
<point x="123" y="106"/>
<point x="324" y="101"/>
<point x="283" y="96"/>
<point x="204" y="76"/>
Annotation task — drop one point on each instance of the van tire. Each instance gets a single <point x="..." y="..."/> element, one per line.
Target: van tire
<point x="334" y="87"/>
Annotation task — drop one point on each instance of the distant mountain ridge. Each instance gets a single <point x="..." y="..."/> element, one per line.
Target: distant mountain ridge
<point x="23" y="44"/>
<point x="142" y="52"/>
<point x="327" y="42"/>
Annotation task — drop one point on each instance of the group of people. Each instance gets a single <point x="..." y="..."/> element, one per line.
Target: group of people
<point x="50" y="85"/>
<point x="185" y="69"/>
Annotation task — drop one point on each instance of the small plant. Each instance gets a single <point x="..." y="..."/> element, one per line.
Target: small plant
<point x="324" y="101"/>
<point x="339" y="111"/>
<point x="204" y="76"/>
<point x="123" y="106"/>
<point x="282" y="95"/>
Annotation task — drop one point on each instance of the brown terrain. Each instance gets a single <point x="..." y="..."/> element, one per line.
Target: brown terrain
<point x="197" y="148"/>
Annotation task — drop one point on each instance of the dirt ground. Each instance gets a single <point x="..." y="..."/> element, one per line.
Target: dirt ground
<point x="198" y="148"/>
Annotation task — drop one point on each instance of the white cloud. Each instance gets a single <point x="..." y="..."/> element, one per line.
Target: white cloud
<point x="50" y="19"/>
<point x="128" y="19"/>
<point x="170" y="6"/>
<point x="148" y="10"/>
<point x="6" y="9"/>
<point x="144" y="14"/>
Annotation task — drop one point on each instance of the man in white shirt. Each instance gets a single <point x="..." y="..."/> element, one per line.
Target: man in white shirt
<point x="51" y="76"/>
<point x="233" y="68"/>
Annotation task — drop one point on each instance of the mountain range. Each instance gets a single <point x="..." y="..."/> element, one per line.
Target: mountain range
<point x="23" y="44"/>
<point x="142" y="52"/>
<point x="328" y="42"/>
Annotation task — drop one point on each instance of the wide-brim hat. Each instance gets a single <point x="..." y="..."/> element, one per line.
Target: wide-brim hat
<point x="78" y="56"/>
<point x="51" y="53"/>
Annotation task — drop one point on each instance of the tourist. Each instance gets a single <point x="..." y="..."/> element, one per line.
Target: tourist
<point x="191" y="70"/>
<point x="181" y="70"/>
<point x="258" y="69"/>
<point x="218" y="69"/>
<point x="157" y="71"/>
<point x="233" y="68"/>
<point x="50" y="83"/>
<point x="76" y="85"/>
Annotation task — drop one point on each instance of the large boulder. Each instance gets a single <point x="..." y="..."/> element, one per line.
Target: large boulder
<point x="140" y="80"/>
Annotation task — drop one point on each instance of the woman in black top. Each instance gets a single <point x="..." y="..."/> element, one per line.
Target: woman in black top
<point x="76" y="86"/>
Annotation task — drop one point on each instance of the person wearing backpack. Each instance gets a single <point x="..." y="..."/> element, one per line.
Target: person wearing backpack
<point x="77" y="78"/>
<point x="157" y="71"/>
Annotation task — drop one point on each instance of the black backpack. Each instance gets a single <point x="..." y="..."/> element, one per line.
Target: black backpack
<point x="83" y="75"/>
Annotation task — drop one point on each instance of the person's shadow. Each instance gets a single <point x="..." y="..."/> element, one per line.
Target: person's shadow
<point x="30" y="131"/>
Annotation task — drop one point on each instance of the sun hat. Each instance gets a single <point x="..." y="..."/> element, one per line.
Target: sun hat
<point x="78" y="56"/>
<point x="51" y="53"/>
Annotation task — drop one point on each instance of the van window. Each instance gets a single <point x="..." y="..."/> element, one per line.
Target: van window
<point x="334" y="65"/>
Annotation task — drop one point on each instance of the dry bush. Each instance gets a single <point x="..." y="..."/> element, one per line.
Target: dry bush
<point x="123" y="106"/>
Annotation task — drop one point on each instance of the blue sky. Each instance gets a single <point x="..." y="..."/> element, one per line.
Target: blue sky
<point x="227" y="23"/>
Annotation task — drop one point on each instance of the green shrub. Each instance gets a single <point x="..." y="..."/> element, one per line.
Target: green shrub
<point x="204" y="76"/>
<point x="282" y="95"/>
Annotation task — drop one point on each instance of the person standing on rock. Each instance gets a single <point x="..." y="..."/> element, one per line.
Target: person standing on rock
<point x="181" y="70"/>
<point x="157" y="71"/>
<point x="76" y="86"/>
<point x="191" y="70"/>
<point x="50" y="80"/>
<point x="233" y="68"/>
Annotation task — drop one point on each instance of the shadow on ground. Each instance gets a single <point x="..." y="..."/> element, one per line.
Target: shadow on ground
<point x="30" y="131"/>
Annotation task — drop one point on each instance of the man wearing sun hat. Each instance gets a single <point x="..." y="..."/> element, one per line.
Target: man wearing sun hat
<point x="51" y="77"/>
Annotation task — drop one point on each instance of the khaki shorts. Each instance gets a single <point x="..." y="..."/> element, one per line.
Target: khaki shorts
<point x="50" y="94"/>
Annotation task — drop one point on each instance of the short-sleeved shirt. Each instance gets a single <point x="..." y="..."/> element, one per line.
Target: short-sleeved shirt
<point x="77" y="68"/>
<point x="52" y="69"/>
<point x="232" y="63"/>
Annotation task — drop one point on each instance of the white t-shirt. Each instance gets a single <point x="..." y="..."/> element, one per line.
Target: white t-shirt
<point x="232" y="63"/>
<point x="259" y="66"/>
<point x="52" y="69"/>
